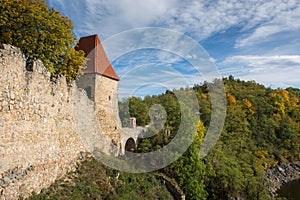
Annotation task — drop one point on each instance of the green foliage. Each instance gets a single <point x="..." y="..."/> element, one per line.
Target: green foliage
<point x="262" y="129"/>
<point x="141" y="186"/>
<point x="41" y="33"/>
<point x="94" y="181"/>
<point x="139" y="110"/>
<point x="189" y="171"/>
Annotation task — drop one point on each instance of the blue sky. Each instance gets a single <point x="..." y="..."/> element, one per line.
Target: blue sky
<point x="252" y="40"/>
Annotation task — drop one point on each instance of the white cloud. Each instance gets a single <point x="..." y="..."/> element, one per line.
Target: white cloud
<point x="267" y="28"/>
<point x="111" y="17"/>
<point x="274" y="71"/>
<point x="150" y="77"/>
<point x="141" y="13"/>
<point x="203" y="18"/>
<point x="198" y="18"/>
<point x="254" y="60"/>
<point x="286" y="20"/>
<point x="259" y="35"/>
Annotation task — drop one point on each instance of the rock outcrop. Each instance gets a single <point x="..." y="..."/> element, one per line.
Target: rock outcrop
<point x="279" y="175"/>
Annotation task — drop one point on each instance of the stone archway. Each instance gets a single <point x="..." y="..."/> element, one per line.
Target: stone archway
<point x="130" y="145"/>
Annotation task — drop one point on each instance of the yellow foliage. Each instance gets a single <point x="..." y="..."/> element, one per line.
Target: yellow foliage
<point x="281" y="99"/>
<point x="284" y="94"/>
<point x="294" y="102"/>
<point x="277" y="117"/>
<point x="280" y="107"/>
<point x="248" y="105"/>
<point x="231" y="100"/>
<point x="200" y="133"/>
<point x="203" y="96"/>
<point x="261" y="154"/>
<point x="262" y="161"/>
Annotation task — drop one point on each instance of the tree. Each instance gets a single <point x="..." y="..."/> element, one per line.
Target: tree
<point x="41" y="33"/>
<point x="139" y="109"/>
<point x="189" y="170"/>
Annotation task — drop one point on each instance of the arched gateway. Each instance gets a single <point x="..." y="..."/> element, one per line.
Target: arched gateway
<point x="130" y="145"/>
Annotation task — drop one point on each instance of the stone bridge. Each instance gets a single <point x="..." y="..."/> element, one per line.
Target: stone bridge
<point x="130" y="138"/>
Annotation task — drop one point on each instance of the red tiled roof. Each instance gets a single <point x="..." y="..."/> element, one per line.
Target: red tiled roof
<point x="97" y="59"/>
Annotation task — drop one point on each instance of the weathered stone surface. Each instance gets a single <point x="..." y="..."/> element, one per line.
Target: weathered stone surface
<point x="4" y="103"/>
<point x="106" y="106"/>
<point x="44" y="126"/>
<point x="38" y="139"/>
<point x="103" y="92"/>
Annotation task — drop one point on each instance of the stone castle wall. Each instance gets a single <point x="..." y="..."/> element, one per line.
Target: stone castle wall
<point x="106" y="107"/>
<point x="39" y="126"/>
<point x="103" y="92"/>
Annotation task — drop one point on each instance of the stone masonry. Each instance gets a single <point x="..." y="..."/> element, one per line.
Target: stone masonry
<point x="106" y="106"/>
<point x="101" y="85"/>
<point x="43" y="126"/>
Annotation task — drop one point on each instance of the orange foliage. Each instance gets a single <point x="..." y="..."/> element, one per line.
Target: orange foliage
<point x="248" y="106"/>
<point x="231" y="100"/>
<point x="284" y="94"/>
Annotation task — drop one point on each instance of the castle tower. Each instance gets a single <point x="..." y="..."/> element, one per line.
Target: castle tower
<point x="100" y="82"/>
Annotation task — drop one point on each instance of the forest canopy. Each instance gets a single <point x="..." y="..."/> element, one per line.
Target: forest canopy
<point x="262" y="129"/>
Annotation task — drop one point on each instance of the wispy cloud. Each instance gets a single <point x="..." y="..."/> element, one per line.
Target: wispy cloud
<point x="154" y="71"/>
<point x="200" y="18"/>
<point x="263" y="30"/>
<point x="142" y="83"/>
<point x="286" y="20"/>
<point x="274" y="71"/>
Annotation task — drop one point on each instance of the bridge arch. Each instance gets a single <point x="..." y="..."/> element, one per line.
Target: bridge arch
<point x="129" y="138"/>
<point x="130" y="145"/>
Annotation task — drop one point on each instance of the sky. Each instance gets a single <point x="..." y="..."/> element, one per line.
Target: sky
<point x="155" y="45"/>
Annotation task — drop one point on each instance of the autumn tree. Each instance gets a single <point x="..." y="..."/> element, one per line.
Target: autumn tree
<point x="41" y="33"/>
